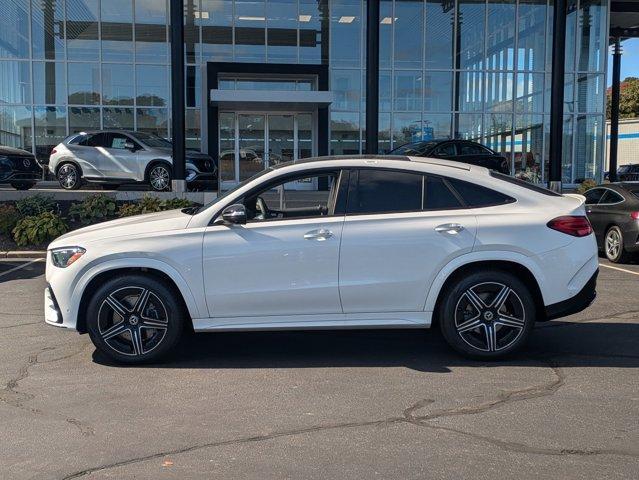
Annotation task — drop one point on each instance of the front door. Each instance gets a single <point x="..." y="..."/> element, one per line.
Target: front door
<point x="250" y="142"/>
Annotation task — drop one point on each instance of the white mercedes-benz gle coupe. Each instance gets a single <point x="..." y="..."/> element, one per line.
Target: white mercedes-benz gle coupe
<point x="369" y="242"/>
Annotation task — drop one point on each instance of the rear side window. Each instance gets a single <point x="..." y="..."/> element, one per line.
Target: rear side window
<point x="437" y="195"/>
<point x="385" y="191"/>
<point x="448" y="149"/>
<point x="478" y="196"/>
<point x="524" y="184"/>
<point x="470" y="149"/>
<point x="594" y="195"/>
<point x="611" y="197"/>
<point x="97" y="140"/>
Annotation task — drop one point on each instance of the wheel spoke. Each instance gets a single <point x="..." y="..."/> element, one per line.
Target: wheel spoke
<point x="157" y="324"/>
<point x="475" y="300"/>
<point x="469" y="325"/>
<point x="114" y="330"/>
<point x="500" y="298"/>
<point x="116" y="306"/>
<point x="491" y="337"/>
<point x="136" y="340"/>
<point x="509" y="321"/>
<point x="142" y="300"/>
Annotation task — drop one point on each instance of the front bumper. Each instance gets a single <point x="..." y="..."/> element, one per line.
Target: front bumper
<point x="574" y="304"/>
<point x="52" y="313"/>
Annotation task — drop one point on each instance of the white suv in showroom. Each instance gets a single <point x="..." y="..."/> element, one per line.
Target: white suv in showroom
<point x="115" y="157"/>
<point x="379" y="242"/>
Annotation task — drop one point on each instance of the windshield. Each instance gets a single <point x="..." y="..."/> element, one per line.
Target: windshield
<point x="232" y="190"/>
<point x="153" y="140"/>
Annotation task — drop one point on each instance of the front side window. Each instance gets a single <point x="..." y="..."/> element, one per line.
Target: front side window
<point x="385" y="191"/>
<point x="446" y="150"/>
<point x="119" y="140"/>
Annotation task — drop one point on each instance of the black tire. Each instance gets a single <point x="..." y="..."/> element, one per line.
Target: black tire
<point x="508" y="324"/>
<point x="141" y="333"/>
<point x="159" y="171"/>
<point x="613" y="245"/>
<point x="23" y="186"/>
<point x="69" y="176"/>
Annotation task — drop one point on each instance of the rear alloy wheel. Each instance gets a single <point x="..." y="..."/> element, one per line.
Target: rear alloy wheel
<point x="134" y="319"/>
<point x="487" y="315"/>
<point x="160" y="178"/>
<point x="613" y="245"/>
<point x="69" y="176"/>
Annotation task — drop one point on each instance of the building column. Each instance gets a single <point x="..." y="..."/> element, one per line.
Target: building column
<point x="614" y="109"/>
<point x="177" y="95"/>
<point x="372" y="77"/>
<point x="557" y="95"/>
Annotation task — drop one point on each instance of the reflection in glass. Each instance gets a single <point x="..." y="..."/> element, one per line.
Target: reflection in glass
<point x="437" y="125"/>
<point x="152" y="85"/>
<point x="530" y="93"/>
<point x="385" y="33"/>
<point x="590" y="93"/>
<point x="50" y="129"/>
<point x="593" y="34"/>
<point x="345" y="133"/>
<point x="346" y="88"/>
<point x="227" y="146"/>
<point x="470" y="23"/>
<point x="571" y="36"/>
<point x="153" y="120"/>
<point x="118" y="117"/>
<point x="193" y="86"/>
<point x="498" y="134"/>
<point x="15" y="84"/>
<point x="49" y="83"/>
<point x="151" y="42"/>
<point x="440" y="15"/>
<point x="384" y="133"/>
<point x="407" y="127"/>
<point x="567" y="157"/>
<point x="281" y="21"/>
<point x="304" y="135"/>
<point x="408" y="90"/>
<point x="529" y="147"/>
<point x="499" y="92"/>
<point x="14" y="29"/>
<point x="385" y="86"/>
<point x="15" y="126"/>
<point x="531" y="34"/>
<point x="251" y="129"/>
<point x="216" y="20"/>
<point x="470" y="91"/>
<point x="313" y="26"/>
<point x="409" y="32"/>
<point x="501" y="35"/>
<point x="193" y="132"/>
<point x="191" y="31"/>
<point x="438" y="91"/>
<point x="588" y="146"/>
<point x="469" y="126"/>
<point x="116" y="29"/>
<point x="250" y="31"/>
<point x="117" y="84"/>
<point x="47" y="29"/>
<point x="83" y="83"/>
<point x="83" y="118"/>
<point x="281" y="139"/>
<point x="82" y="30"/>
<point x="346" y="33"/>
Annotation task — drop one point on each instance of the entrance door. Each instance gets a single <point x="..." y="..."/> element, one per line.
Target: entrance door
<point x="250" y="142"/>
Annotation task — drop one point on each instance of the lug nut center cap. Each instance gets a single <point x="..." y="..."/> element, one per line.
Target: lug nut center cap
<point x="133" y="320"/>
<point x="488" y="316"/>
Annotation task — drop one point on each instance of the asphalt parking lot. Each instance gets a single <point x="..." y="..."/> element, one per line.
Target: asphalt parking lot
<point x="339" y="405"/>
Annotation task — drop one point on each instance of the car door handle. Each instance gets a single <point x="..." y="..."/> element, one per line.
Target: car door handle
<point x="320" y="235"/>
<point x="450" y="228"/>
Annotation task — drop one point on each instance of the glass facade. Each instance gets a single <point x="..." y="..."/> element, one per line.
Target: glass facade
<point x="474" y="69"/>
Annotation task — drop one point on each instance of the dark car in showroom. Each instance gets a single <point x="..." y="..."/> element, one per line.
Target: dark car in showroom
<point x="628" y="173"/>
<point x="458" y="150"/>
<point x="18" y="168"/>
<point x="613" y="211"/>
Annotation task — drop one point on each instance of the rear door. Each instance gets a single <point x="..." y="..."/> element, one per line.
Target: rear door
<point x="400" y="229"/>
<point x="595" y="213"/>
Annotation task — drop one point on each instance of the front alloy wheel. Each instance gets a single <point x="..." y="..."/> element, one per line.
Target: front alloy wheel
<point x="487" y="315"/>
<point x="159" y="178"/>
<point x="134" y="319"/>
<point x="69" y="176"/>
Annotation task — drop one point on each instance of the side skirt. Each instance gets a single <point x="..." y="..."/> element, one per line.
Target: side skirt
<point x="316" y="322"/>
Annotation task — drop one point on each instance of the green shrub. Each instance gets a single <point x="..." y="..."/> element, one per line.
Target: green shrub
<point x="35" y="205"/>
<point x="585" y="185"/>
<point x="151" y="205"/>
<point x="9" y="217"/>
<point x="93" y="209"/>
<point x="39" y="229"/>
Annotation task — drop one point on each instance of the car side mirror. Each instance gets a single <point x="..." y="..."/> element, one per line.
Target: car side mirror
<point x="235" y="214"/>
<point x="129" y="145"/>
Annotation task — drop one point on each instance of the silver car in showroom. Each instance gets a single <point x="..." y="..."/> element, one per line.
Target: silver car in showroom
<point x="116" y="157"/>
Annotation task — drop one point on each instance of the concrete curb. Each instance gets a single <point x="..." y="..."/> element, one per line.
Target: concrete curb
<point x="24" y="254"/>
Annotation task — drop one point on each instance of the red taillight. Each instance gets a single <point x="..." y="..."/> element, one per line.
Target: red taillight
<point x="54" y="151"/>
<point x="634" y="215"/>
<point x="574" y="225"/>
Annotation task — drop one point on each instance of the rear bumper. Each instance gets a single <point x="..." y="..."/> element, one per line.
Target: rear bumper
<point x="574" y="304"/>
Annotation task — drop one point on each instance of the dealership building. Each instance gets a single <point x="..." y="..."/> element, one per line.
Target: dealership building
<point x="273" y="80"/>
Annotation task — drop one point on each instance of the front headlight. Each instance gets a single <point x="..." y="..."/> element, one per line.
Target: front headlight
<point x="63" y="257"/>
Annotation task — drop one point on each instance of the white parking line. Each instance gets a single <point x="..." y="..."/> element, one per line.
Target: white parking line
<point x="617" y="268"/>
<point x="21" y="266"/>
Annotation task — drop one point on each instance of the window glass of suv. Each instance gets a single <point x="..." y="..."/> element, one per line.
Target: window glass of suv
<point x="118" y="141"/>
<point x="611" y="197"/>
<point x="523" y="184"/>
<point x="437" y="195"/>
<point x="385" y="191"/>
<point x="594" y="195"/>
<point x="478" y="196"/>
<point x="96" y="140"/>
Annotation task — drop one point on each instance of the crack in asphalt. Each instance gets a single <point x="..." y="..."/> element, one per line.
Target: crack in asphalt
<point x="408" y="417"/>
<point x="11" y="396"/>
<point x="39" y="322"/>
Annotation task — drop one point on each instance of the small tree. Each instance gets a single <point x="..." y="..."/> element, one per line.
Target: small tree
<point x="628" y="99"/>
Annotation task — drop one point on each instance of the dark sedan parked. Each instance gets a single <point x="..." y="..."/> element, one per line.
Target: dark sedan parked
<point x="457" y="150"/>
<point x="18" y="168"/>
<point x="613" y="211"/>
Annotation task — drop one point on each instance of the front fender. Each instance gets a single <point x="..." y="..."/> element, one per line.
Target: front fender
<point x="481" y="256"/>
<point x="133" y="262"/>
